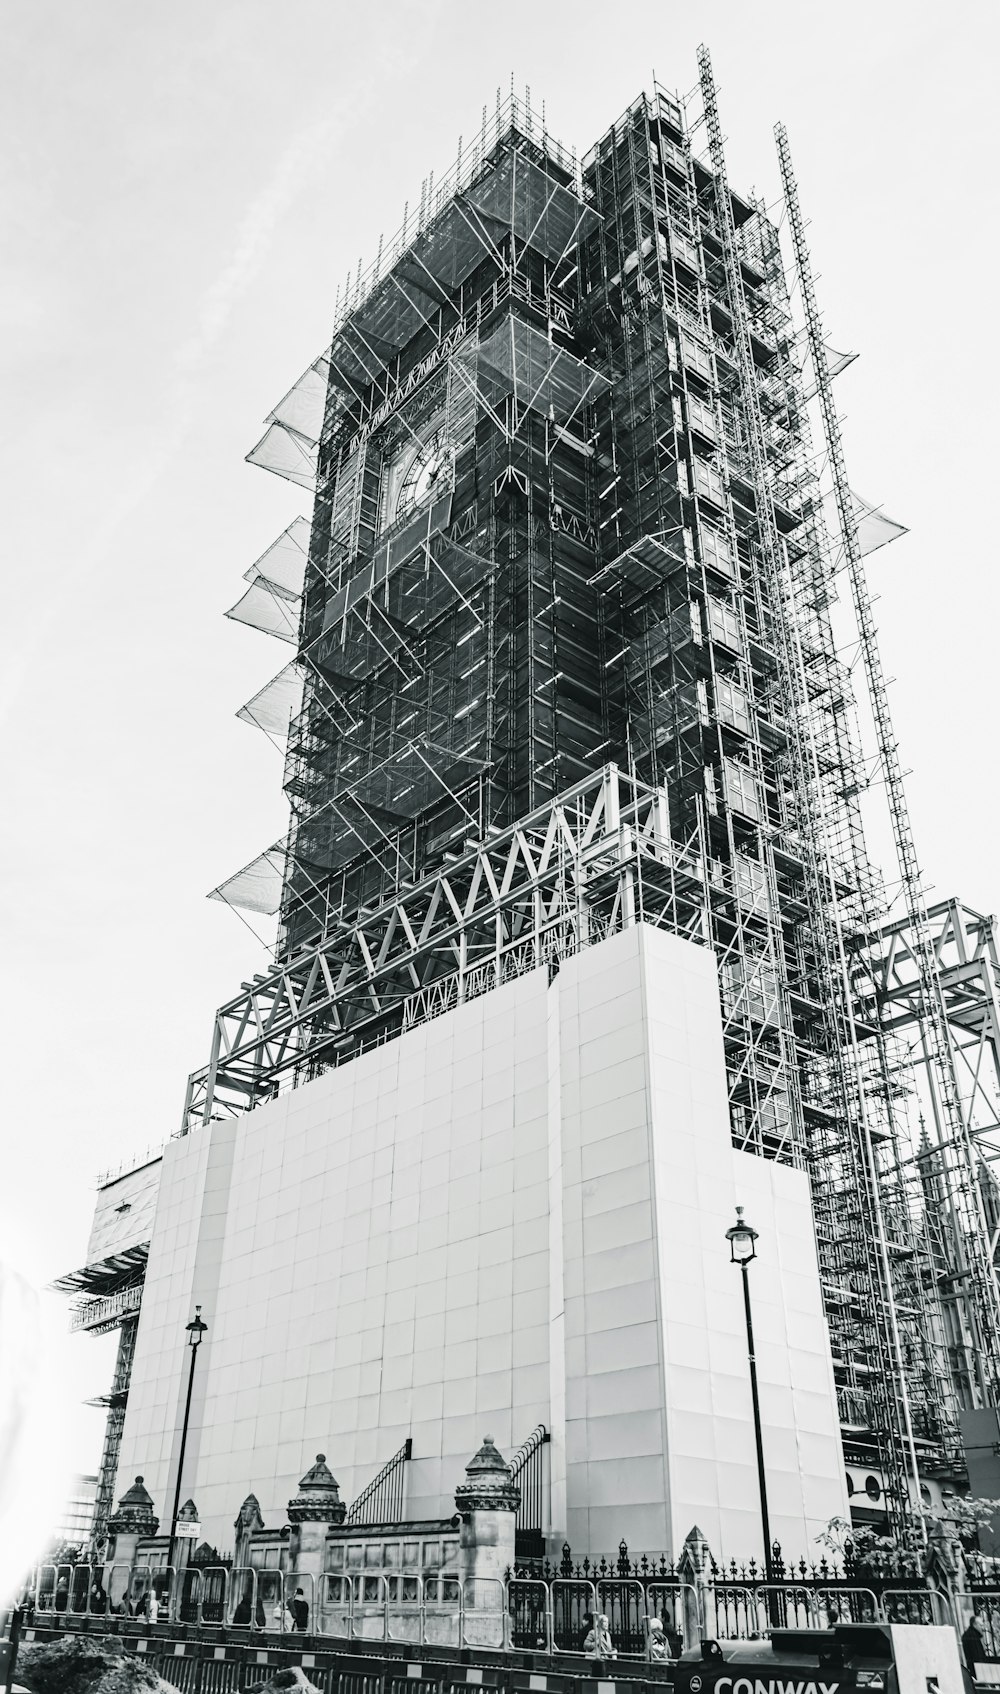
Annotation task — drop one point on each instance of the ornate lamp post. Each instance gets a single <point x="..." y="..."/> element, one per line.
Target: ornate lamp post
<point x="742" y="1249"/>
<point x="195" y="1330"/>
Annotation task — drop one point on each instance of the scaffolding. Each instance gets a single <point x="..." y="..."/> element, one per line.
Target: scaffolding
<point x="565" y="660"/>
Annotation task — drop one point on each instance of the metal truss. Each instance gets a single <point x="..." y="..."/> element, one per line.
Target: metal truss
<point x="597" y="858"/>
<point x="944" y="1169"/>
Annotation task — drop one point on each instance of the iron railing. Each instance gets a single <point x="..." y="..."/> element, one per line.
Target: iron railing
<point x="382" y="1500"/>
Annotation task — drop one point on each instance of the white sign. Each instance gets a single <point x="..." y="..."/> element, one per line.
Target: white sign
<point x="188" y="1529"/>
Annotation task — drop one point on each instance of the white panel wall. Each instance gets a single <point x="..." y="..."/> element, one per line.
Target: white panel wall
<point x="384" y="1272"/>
<point x="512" y="1214"/>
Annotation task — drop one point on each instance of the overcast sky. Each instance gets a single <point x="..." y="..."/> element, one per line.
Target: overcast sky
<point x="183" y="188"/>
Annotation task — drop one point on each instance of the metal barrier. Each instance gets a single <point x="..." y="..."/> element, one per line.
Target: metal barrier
<point x="369" y="1606"/>
<point x="442" y="1610"/>
<point x="846" y="1605"/>
<point x="530" y="1614"/>
<point x="573" y="1602"/>
<point x="677" y="1605"/>
<point x="244" y="1610"/>
<point x="209" y="1588"/>
<point x="982" y="1607"/>
<point x="622" y="1600"/>
<point x="80" y="1590"/>
<point x="405" y="1608"/>
<point x="46" y="1588"/>
<point x="916" y="1605"/>
<point x="149" y="1592"/>
<point x="735" y="1613"/>
<point x="334" y="1615"/>
<point x="483" y="1616"/>
<point x="116" y="1583"/>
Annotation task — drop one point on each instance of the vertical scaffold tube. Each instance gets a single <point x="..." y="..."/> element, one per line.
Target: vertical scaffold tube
<point x="973" y="1252"/>
<point x="899" y="1449"/>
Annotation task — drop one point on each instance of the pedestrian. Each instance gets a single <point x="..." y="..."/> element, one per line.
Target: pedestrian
<point x="62" y="1594"/>
<point x="597" y="1642"/>
<point x="659" y="1651"/>
<point x="300" y="1610"/>
<point x="973" y="1646"/>
<point x="152" y="1606"/>
<point x="98" y="1596"/>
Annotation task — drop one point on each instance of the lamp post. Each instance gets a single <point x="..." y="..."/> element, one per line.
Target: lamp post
<point x="741" y="1240"/>
<point x="195" y="1330"/>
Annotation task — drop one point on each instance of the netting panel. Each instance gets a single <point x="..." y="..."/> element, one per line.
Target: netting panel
<point x="275" y="705"/>
<point x="284" y="562"/>
<point x="287" y="454"/>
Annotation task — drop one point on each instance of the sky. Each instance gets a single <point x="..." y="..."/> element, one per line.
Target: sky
<point x="183" y="189"/>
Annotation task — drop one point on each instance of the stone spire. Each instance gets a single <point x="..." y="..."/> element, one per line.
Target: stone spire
<point x="250" y="1517"/>
<point x="135" y="1514"/>
<point x="318" y="1499"/>
<point x="489" y="1486"/>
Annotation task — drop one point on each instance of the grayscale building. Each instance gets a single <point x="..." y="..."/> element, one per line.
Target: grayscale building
<point x="579" y="942"/>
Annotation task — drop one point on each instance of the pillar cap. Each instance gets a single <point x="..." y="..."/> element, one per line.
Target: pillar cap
<point x="250" y="1515"/>
<point x="318" y="1499"/>
<point x="489" y="1484"/>
<point x="135" y="1514"/>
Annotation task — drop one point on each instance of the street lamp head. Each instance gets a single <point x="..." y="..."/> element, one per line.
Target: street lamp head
<point x="741" y="1240"/>
<point x="196" y="1328"/>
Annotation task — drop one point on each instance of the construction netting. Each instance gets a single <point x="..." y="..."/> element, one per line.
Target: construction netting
<point x="303" y="407"/>
<point x="518" y="359"/>
<point x="274" y="598"/>
<point x="257" y="887"/>
<point x="382" y="621"/>
<point x="874" y="527"/>
<point x="275" y="705"/>
<point x="287" y="453"/>
<point x="512" y="198"/>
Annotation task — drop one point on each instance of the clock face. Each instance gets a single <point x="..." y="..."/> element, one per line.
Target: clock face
<point x="426" y="470"/>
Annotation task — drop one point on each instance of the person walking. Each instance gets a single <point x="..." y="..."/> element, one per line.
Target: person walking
<point x="597" y="1642"/>
<point x="300" y="1610"/>
<point x="659" y="1650"/>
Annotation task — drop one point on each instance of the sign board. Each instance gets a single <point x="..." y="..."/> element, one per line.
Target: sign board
<point x="190" y="1530"/>
<point x="759" y="1677"/>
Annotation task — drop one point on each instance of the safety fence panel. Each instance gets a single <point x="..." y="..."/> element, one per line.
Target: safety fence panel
<point x="245" y="1610"/>
<point x="845" y="1605"/>
<point x="674" y="1603"/>
<point x="81" y="1587"/>
<point x="782" y="1606"/>
<point x="573" y="1605"/>
<point x="484" y="1612"/>
<point x="530" y="1626"/>
<point x="369" y="1604"/>
<point x="916" y="1605"/>
<point x="731" y="1613"/>
<point x="116" y="1582"/>
<point x="405" y="1613"/>
<point x="149" y="1592"/>
<point x="984" y="1602"/>
<point x="334" y="1617"/>
<point x="442" y="1611"/>
<point x="212" y="1594"/>
<point x="623" y="1602"/>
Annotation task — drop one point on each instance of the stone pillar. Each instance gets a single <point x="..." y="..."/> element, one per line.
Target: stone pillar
<point x="487" y="1504"/>
<point x="134" y="1520"/>
<point x="316" y="1504"/>
<point x="241" y="1606"/>
<point x="694" y="1569"/>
